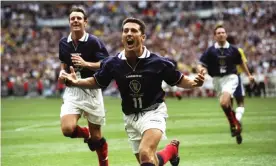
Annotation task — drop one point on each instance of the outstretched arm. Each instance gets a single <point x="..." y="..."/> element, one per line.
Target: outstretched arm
<point x="187" y="82"/>
<point x="71" y="80"/>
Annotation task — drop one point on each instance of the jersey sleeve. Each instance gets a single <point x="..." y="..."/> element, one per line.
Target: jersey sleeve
<point x="100" y="49"/>
<point x="243" y="57"/>
<point x="104" y="76"/>
<point x="170" y="75"/>
<point x="204" y="58"/>
<point x="61" y="52"/>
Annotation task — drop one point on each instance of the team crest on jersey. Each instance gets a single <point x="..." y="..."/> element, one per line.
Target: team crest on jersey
<point x="135" y="86"/>
<point x="222" y="61"/>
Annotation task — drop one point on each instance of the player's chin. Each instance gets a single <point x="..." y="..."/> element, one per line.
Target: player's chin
<point x="77" y="29"/>
<point x="129" y="48"/>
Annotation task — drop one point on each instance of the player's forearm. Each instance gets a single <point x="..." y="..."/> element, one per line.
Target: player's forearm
<point x="86" y="83"/>
<point x="245" y="68"/>
<point x="186" y="82"/>
<point x="93" y="65"/>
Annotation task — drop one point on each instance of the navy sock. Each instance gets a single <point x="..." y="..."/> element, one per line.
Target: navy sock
<point x="161" y="161"/>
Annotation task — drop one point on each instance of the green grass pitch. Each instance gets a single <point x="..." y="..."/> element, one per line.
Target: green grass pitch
<point x="31" y="136"/>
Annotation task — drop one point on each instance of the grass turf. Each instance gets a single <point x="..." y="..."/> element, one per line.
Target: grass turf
<point x="31" y="134"/>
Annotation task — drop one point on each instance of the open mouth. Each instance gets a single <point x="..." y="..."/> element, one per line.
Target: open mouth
<point x="75" y="26"/>
<point x="130" y="42"/>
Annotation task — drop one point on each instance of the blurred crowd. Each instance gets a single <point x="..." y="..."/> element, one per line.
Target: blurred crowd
<point x="29" y="51"/>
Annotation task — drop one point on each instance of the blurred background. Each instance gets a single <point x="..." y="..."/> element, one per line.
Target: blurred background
<point x="30" y="32"/>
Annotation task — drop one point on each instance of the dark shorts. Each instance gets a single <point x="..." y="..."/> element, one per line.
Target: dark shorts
<point x="239" y="92"/>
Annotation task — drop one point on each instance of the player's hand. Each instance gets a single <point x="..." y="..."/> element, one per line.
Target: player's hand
<point x="203" y="71"/>
<point x="59" y="77"/>
<point x="199" y="79"/>
<point x="251" y="79"/>
<point x="78" y="61"/>
<point x="69" y="79"/>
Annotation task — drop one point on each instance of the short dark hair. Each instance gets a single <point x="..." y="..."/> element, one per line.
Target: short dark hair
<point x="231" y="40"/>
<point x="78" y="9"/>
<point x="217" y="27"/>
<point x="137" y="21"/>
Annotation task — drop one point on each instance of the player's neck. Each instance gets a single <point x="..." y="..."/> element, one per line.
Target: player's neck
<point x="132" y="56"/>
<point x="221" y="43"/>
<point x="77" y="35"/>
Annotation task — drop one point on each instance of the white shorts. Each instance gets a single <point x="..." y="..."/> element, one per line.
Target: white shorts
<point x="154" y="119"/>
<point x="89" y="101"/>
<point x="208" y="82"/>
<point x="226" y="83"/>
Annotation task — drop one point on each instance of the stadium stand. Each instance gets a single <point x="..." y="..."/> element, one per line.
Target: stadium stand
<point x="30" y="32"/>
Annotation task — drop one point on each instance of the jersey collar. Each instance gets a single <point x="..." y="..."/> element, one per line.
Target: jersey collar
<point x="84" y="38"/>
<point x="145" y="54"/>
<point x="226" y="45"/>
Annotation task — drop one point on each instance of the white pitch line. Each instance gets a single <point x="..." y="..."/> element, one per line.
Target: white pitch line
<point x="37" y="125"/>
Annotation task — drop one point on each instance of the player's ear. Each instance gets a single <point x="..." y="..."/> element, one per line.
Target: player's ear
<point x="85" y="23"/>
<point x="144" y="37"/>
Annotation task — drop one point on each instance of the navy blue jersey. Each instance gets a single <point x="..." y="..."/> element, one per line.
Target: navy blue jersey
<point x="173" y="61"/>
<point x="140" y="86"/>
<point x="221" y="61"/>
<point x="89" y="47"/>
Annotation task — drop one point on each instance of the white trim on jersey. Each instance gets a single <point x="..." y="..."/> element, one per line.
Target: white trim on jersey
<point x="145" y="54"/>
<point x="226" y="45"/>
<point x="84" y="38"/>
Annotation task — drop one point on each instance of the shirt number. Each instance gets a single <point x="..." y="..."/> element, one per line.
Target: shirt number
<point x="137" y="102"/>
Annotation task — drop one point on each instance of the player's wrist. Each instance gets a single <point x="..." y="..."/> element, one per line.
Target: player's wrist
<point x="86" y="65"/>
<point x="74" y="82"/>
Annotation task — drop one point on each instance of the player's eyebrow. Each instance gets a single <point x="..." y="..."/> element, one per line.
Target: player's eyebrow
<point x="78" y="17"/>
<point x="131" y="29"/>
